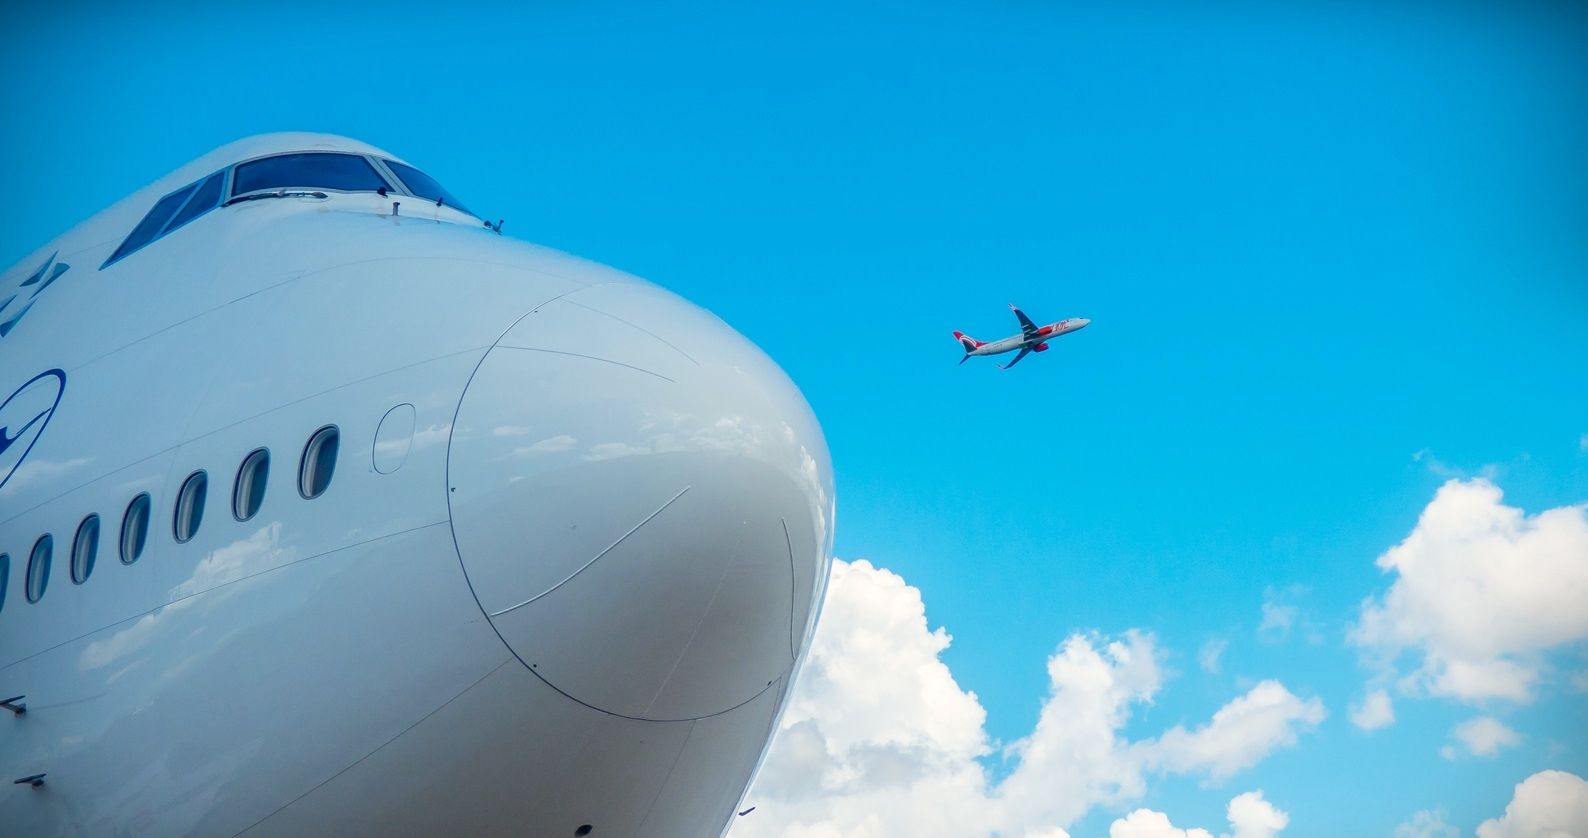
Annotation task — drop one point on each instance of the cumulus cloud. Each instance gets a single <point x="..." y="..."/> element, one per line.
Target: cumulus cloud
<point x="1240" y="734"/>
<point x="1481" y="592"/>
<point x="1374" y="712"/>
<point x="1427" y="824"/>
<point x="1549" y="803"/>
<point x="1249" y="814"/>
<point x="1145" y="823"/>
<point x="878" y="739"/>
<point x="1484" y="736"/>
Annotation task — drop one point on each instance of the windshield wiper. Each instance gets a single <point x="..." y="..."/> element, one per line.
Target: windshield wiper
<point x="280" y="193"/>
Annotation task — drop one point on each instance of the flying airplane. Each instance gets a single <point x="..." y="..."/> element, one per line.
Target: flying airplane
<point x="327" y="509"/>
<point x="1032" y="338"/>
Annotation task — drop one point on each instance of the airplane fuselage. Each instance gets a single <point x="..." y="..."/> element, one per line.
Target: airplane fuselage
<point x="536" y="549"/>
<point x="1035" y="340"/>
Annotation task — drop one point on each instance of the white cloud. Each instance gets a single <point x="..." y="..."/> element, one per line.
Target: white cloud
<point x="1427" y="824"/>
<point x="1210" y="656"/>
<point x="1240" y="734"/>
<point x="1278" y="618"/>
<point x="1253" y="817"/>
<point x="1374" y="712"/>
<point x="1249" y="814"/>
<point x="1582" y="443"/>
<point x="879" y="740"/>
<point x="1484" y="736"/>
<point x="1481" y="591"/>
<point x="1549" y="803"/>
<point x="1145" y="823"/>
<point x="1282" y="616"/>
<point x="1436" y="466"/>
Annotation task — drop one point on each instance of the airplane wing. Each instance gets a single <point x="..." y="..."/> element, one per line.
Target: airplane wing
<point x="1026" y="325"/>
<point x="1024" y="351"/>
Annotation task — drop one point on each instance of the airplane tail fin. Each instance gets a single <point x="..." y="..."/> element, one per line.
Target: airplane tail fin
<point x="968" y="342"/>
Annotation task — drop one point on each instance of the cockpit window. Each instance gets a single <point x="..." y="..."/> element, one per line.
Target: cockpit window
<point x="205" y="199"/>
<point x="153" y="223"/>
<point x="281" y="175"/>
<point x="314" y="170"/>
<point x="423" y="185"/>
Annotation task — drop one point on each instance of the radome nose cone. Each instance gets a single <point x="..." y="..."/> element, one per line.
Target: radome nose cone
<point x="642" y="502"/>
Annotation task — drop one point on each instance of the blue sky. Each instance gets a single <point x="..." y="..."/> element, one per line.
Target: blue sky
<point x="1334" y="255"/>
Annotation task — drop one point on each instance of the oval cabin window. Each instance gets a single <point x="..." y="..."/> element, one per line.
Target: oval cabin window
<point x="135" y="529"/>
<point x="249" y="492"/>
<point x="85" y="548"/>
<point x="319" y="462"/>
<point x="39" y="568"/>
<point x="190" y="507"/>
<point x="5" y="578"/>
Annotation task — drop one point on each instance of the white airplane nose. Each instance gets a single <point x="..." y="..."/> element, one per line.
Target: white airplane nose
<point x="642" y="502"/>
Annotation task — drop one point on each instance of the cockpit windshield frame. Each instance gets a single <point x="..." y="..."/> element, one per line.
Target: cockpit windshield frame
<point x="150" y="229"/>
<point x="374" y="181"/>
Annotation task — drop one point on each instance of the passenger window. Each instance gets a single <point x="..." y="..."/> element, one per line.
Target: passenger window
<point x="190" y="507"/>
<point x="39" y="568"/>
<point x="319" y="463"/>
<point x="152" y="224"/>
<point x="85" y="548"/>
<point x="423" y="185"/>
<point x="5" y="578"/>
<point x="205" y="199"/>
<point x="249" y="492"/>
<point x="319" y="170"/>
<point x="135" y="529"/>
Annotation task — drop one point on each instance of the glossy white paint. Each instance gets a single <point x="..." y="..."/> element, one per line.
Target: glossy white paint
<point x="571" y="556"/>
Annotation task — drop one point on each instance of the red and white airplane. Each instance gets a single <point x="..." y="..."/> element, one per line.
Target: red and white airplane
<point x="1032" y="338"/>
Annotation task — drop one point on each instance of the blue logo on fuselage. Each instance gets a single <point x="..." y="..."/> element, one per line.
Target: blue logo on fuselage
<point x="23" y="416"/>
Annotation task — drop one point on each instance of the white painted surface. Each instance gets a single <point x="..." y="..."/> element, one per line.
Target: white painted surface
<point x="329" y="665"/>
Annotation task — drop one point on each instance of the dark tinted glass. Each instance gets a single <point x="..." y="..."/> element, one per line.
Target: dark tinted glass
<point x="135" y="529"/>
<point x="190" y="506"/>
<point x="85" y="548"/>
<point x="153" y="223"/>
<point x="249" y="493"/>
<point x="39" y="568"/>
<point x="319" y="462"/>
<point x="346" y="172"/>
<point x="423" y="185"/>
<point x="205" y="199"/>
